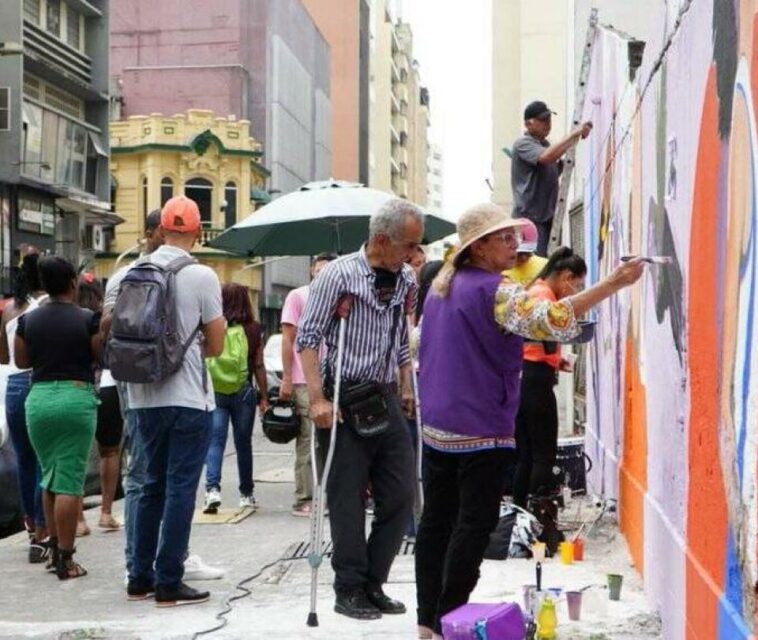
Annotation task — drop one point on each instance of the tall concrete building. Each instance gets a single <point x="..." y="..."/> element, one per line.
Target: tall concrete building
<point x="398" y="148"/>
<point x="435" y="180"/>
<point x="259" y="60"/>
<point x="536" y="55"/>
<point x="54" y="178"/>
<point x="345" y="25"/>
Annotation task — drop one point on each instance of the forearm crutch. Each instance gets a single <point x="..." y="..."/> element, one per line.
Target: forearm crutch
<point x="316" y="556"/>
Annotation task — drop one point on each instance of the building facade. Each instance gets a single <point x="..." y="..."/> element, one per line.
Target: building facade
<point x="435" y="180"/>
<point x="399" y="107"/>
<point x="212" y="160"/>
<point x="54" y="177"/>
<point x="345" y="25"/>
<point x="259" y="60"/>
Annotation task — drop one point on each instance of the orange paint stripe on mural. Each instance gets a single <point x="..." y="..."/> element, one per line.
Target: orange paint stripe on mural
<point x="633" y="469"/>
<point x="706" y="516"/>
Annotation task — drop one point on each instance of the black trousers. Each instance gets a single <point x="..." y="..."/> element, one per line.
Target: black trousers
<point x="543" y="236"/>
<point x="536" y="433"/>
<point x="462" y="494"/>
<point x="386" y="463"/>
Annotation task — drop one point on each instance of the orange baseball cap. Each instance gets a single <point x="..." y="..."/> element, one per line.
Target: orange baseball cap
<point x="180" y="214"/>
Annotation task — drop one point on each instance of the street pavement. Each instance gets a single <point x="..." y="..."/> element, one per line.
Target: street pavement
<point x="34" y="604"/>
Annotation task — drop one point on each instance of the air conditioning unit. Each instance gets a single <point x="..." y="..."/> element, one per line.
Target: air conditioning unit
<point x="101" y="240"/>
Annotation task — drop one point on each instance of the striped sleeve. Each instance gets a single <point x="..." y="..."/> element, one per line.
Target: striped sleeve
<point x="518" y="312"/>
<point x="322" y="302"/>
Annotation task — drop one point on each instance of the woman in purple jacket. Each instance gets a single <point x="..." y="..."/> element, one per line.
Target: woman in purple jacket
<point x="471" y="351"/>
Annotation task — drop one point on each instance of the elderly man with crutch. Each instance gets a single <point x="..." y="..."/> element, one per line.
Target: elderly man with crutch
<point x="371" y="445"/>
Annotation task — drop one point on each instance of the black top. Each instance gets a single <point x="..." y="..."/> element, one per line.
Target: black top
<point x="57" y="337"/>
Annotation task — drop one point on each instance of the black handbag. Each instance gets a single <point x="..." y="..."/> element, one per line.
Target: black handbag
<point x="364" y="404"/>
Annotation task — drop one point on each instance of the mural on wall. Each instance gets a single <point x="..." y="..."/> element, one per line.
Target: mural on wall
<point x="672" y="169"/>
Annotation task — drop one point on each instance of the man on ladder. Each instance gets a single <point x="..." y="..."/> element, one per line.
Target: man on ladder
<point x="535" y="168"/>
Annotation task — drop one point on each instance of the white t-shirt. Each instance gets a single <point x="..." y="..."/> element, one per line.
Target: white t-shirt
<point x="198" y="297"/>
<point x="10" y="333"/>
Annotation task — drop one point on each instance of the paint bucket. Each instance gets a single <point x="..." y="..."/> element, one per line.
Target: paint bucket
<point x="578" y="550"/>
<point x="614" y="586"/>
<point x="574" y="601"/>
<point x="567" y="552"/>
<point x="538" y="551"/>
<point x="572" y="464"/>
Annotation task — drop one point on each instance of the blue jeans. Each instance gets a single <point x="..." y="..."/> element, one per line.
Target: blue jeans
<point x="240" y="408"/>
<point x="136" y="463"/>
<point x="29" y="472"/>
<point x="175" y="442"/>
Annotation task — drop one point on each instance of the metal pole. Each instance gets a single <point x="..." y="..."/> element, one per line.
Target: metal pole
<point x="316" y="555"/>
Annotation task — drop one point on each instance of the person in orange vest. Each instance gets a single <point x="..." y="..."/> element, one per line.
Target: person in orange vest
<point x="537" y="417"/>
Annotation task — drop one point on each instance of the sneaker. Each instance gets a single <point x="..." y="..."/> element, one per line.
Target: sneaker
<point x="383" y="602"/>
<point x="248" y="502"/>
<point x="212" y="500"/>
<point x="302" y="511"/>
<point x="196" y="569"/>
<point x="136" y="590"/>
<point x="183" y="594"/>
<point x="354" y="603"/>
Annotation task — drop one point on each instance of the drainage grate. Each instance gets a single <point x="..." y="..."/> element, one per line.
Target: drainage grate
<point x="300" y="550"/>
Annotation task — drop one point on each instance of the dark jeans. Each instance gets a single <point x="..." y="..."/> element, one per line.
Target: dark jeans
<point x="543" y="236"/>
<point x="175" y="443"/>
<point x="536" y="433"/>
<point x="240" y="408"/>
<point x="386" y="463"/>
<point x="462" y="494"/>
<point x="136" y="468"/>
<point x="29" y="472"/>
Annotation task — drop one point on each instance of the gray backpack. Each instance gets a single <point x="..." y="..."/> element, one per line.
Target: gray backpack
<point x="144" y="344"/>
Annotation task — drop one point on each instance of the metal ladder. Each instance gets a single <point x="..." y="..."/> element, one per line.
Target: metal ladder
<point x="570" y="157"/>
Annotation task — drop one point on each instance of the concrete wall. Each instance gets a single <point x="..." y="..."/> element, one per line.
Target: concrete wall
<point x="673" y="385"/>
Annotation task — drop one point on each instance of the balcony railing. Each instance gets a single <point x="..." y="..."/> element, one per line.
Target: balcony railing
<point x="209" y="233"/>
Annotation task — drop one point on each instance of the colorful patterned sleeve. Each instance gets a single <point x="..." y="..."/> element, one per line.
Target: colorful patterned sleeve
<point x="518" y="312"/>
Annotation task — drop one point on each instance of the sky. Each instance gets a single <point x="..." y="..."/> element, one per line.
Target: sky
<point x="453" y="48"/>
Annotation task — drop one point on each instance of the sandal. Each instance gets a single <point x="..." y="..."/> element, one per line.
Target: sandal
<point x="82" y="529"/>
<point x="66" y="568"/>
<point x="52" y="558"/>
<point x="38" y="551"/>
<point x="108" y="522"/>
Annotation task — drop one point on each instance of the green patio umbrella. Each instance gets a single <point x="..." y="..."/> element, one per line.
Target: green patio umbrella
<point x="320" y="216"/>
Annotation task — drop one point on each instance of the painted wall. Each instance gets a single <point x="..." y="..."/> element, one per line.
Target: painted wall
<point x="671" y="170"/>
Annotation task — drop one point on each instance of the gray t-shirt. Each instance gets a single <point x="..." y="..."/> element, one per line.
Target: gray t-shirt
<point x="198" y="296"/>
<point x="535" y="186"/>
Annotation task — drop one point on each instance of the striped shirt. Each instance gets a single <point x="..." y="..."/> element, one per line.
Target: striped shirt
<point x="369" y="325"/>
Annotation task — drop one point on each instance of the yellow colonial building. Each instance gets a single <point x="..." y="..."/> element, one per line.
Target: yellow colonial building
<point x="212" y="160"/>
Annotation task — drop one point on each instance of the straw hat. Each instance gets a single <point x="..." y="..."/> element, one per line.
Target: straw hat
<point x="479" y="221"/>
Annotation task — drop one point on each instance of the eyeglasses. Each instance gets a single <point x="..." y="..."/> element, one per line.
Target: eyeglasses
<point x="512" y="238"/>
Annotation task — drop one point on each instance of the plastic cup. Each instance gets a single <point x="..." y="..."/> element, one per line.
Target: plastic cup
<point x="578" y="550"/>
<point x="614" y="586"/>
<point x="567" y="552"/>
<point x="538" y="551"/>
<point x="529" y="591"/>
<point x="574" y="601"/>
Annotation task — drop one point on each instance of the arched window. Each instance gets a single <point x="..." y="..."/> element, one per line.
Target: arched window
<point x="230" y="213"/>
<point x="167" y="190"/>
<point x="201" y="191"/>
<point x="144" y="197"/>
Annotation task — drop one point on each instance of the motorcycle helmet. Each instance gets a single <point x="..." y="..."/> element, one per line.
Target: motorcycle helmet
<point x="281" y="422"/>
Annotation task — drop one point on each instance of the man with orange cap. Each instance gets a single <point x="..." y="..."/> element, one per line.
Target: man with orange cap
<point x="174" y="418"/>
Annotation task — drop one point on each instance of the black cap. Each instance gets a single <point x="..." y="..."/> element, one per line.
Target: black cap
<point x="537" y="109"/>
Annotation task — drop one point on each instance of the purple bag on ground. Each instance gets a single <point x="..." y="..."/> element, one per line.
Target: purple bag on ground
<point x="502" y="621"/>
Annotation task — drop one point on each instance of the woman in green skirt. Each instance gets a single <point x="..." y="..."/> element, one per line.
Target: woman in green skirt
<point x="59" y="342"/>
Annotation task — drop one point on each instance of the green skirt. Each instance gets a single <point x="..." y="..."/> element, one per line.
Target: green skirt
<point x="61" y="417"/>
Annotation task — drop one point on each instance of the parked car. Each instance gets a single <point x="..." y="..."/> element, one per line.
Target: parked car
<point x="272" y="359"/>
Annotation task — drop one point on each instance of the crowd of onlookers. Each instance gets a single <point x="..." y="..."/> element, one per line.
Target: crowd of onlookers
<point x="453" y="360"/>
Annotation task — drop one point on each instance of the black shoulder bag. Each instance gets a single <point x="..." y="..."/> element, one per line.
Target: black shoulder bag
<point x="364" y="404"/>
